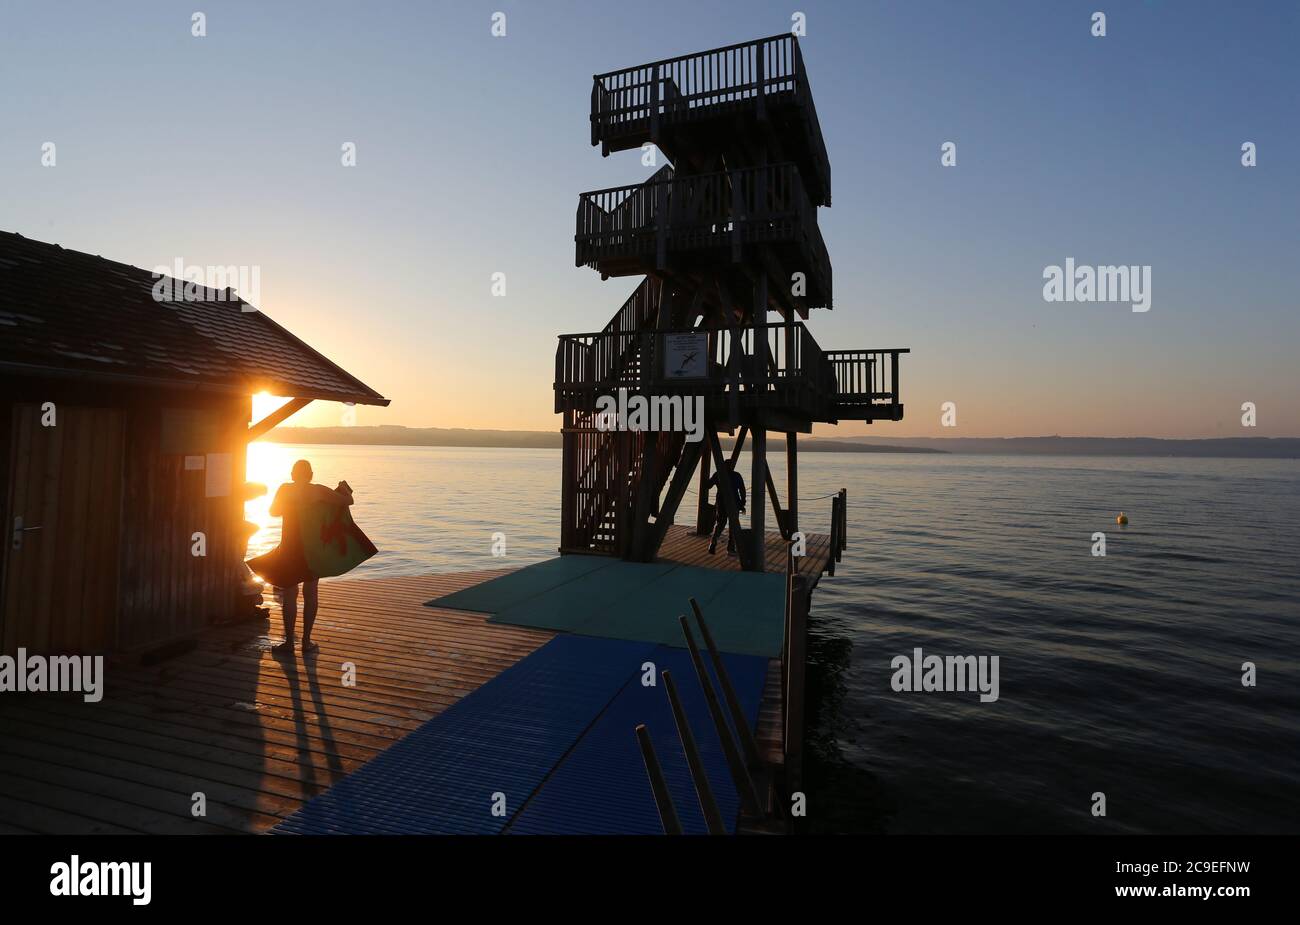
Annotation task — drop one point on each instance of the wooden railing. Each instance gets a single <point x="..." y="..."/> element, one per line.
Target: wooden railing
<point x="611" y="353"/>
<point x="794" y="648"/>
<point x="608" y="476"/>
<point x="787" y="368"/>
<point x="794" y="653"/>
<point x="804" y="93"/>
<point x="867" y="378"/>
<point x="607" y="469"/>
<point x="839" y="529"/>
<point x="611" y="215"/>
<point x="597" y="478"/>
<point x="676" y="87"/>
<point x="723" y="209"/>
<point x="639" y="309"/>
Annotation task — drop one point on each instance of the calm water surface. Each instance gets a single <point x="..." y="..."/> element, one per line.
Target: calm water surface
<point x="1119" y="674"/>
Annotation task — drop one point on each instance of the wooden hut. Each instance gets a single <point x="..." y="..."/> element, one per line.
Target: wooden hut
<point x="124" y="423"/>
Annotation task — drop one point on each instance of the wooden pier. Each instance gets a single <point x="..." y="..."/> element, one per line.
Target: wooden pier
<point x="258" y="736"/>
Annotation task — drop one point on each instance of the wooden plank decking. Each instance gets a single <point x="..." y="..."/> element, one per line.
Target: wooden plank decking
<point x="682" y="544"/>
<point x="259" y="736"/>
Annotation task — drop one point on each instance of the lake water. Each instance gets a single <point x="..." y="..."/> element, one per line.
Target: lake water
<point x="1118" y="674"/>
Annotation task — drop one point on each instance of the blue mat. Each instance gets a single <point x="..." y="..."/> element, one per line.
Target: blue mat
<point x="600" y="596"/>
<point x="601" y="787"/>
<point x="555" y="734"/>
<point x="504" y="737"/>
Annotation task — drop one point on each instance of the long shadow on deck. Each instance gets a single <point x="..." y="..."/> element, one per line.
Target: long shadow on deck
<point x="255" y="736"/>
<point x="294" y="676"/>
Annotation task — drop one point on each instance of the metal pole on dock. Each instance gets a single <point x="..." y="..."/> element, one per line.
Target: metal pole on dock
<point x="663" y="799"/>
<point x="708" y="805"/>
<point x="739" y="773"/>
<point x="844" y="524"/>
<point x="743" y="731"/>
<point x="790" y="569"/>
<point x="796" y="652"/>
<point x="835" y="536"/>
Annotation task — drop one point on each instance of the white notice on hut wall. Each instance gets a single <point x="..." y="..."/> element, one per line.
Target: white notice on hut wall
<point x="193" y="462"/>
<point x="686" y="356"/>
<point x="219" y="475"/>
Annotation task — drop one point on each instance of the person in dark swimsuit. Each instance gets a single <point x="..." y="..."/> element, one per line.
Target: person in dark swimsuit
<point x="289" y="501"/>
<point x="738" y="486"/>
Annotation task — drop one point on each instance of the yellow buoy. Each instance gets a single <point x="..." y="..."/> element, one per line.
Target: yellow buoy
<point x="1121" y="519"/>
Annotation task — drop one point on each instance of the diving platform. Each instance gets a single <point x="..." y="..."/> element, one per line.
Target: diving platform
<point x="685" y="226"/>
<point x="260" y="737"/>
<point x="723" y="236"/>
<point x="777" y="369"/>
<point x="698" y="105"/>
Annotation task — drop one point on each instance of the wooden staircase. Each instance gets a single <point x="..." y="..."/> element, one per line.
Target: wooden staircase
<point x="611" y="501"/>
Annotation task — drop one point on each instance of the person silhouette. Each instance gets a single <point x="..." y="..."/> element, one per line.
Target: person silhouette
<point x="287" y="568"/>
<point x="721" y="520"/>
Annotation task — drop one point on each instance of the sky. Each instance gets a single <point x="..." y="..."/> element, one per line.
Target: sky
<point x="471" y="151"/>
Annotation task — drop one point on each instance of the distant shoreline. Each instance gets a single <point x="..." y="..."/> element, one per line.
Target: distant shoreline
<point x="1211" y="447"/>
<point x="389" y="435"/>
<point x="1198" y="448"/>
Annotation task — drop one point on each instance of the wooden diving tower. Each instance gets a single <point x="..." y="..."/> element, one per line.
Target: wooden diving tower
<point x="724" y="236"/>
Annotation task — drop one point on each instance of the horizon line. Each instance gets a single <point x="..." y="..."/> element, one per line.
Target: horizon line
<point x="519" y="430"/>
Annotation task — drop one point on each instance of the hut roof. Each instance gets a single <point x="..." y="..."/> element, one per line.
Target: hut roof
<point x="66" y="314"/>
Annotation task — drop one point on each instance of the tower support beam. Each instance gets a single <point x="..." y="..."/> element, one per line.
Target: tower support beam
<point x="758" y="431"/>
<point x="792" y="482"/>
<point x="757" y="496"/>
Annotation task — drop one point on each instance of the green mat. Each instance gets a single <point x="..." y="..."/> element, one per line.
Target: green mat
<point x="499" y="593"/>
<point x="600" y="596"/>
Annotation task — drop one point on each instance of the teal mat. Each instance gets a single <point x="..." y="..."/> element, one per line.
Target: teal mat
<point x="499" y="593"/>
<point x="600" y="596"/>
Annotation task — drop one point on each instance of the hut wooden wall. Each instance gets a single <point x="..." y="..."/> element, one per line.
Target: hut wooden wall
<point x="162" y="591"/>
<point x="60" y="581"/>
<point x="166" y="591"/>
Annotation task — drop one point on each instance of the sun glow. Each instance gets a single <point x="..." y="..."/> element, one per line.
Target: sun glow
<point x="264" y="403"/>
<point x="269" y="465"/>
<point x="266" y="464"/>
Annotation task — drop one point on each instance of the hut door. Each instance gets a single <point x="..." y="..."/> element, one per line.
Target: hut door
<point x="60" y="531"/>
